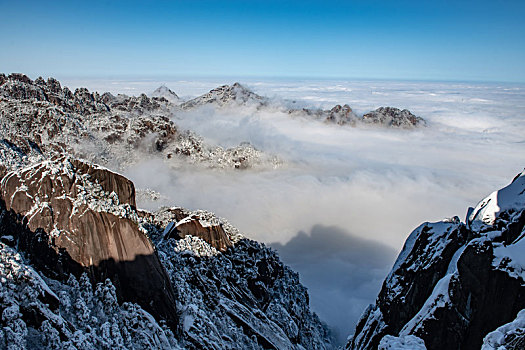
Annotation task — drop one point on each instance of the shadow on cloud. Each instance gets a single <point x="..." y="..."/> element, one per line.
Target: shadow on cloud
<point x="343" y="272"/>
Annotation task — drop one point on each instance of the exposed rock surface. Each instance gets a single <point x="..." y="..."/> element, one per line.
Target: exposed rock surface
<point x="87" y="213"/>
<point x="212" y="234"/>
<point x="394" y="117"/>
<point x="453" y="282"/>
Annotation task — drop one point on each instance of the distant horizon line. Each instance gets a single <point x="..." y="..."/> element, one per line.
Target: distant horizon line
<point x="198" y="77"/>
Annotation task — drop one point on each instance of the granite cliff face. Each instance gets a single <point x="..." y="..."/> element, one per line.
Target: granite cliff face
<point x="455" y="282"/>
<point x="87" y="213"/>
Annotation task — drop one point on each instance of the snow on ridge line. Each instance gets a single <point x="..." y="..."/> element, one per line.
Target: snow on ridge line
<point x="439" y="298"/>
<point x="509" y="197"/>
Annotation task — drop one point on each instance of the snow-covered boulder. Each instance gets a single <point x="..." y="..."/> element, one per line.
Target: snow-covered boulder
<point x="510" y="336"/>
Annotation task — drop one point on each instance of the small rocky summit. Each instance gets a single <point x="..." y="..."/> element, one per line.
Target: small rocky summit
<point x="344" y="115"/>
<point x="456" y="285"/>
<point x="394" y="117"/>
<point x="164" y="92"/>
<point x="224" y="95"/>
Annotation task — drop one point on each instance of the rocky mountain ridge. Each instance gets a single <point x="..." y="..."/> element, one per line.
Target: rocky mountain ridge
<point x="40" y="118"/>
<point x="237" y="94"/>
<point x="453" y="283"/>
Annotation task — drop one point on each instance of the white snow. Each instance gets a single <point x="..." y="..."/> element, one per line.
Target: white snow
<point x="407" y="342"/>
<point x="509" y="197"/>
<point x="438" y="299"/>
<point x="495" y="340"/>
<point x="511" y="259"/>
<point x="186" y="220"/>
<point x="375" y="318"/>
<point x="453" y="265"/>
<point x="194" y="245"/>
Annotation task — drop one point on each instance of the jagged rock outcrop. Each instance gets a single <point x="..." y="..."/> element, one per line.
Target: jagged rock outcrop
<point x="246" y="287"/>
<point x="191" y="225"/>
<point x="237" y="297"/>
<point x="135" y="104"/>
<point x="87" y="214"/>
<point x="20" y="87"/>
<point x="55" y="120"/>
<point x="394" y="117"/>
<point x="340" y="115"/>
<point x="454" y="282"/>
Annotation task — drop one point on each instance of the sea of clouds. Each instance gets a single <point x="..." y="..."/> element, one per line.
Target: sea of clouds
<point x="341" y="205"/>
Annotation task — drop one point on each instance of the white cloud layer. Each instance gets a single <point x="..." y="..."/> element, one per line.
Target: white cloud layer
<point x="376" y="183"/>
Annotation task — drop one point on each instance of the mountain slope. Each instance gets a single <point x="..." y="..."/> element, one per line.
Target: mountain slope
<point x="454" y="282"/>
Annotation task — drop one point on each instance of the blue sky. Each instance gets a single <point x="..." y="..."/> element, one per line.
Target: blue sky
<point x="421" y="40"/>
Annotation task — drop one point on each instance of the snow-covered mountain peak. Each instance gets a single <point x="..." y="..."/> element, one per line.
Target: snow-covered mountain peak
<point x="226" y="95"/>
<point x="167" y="93"/>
